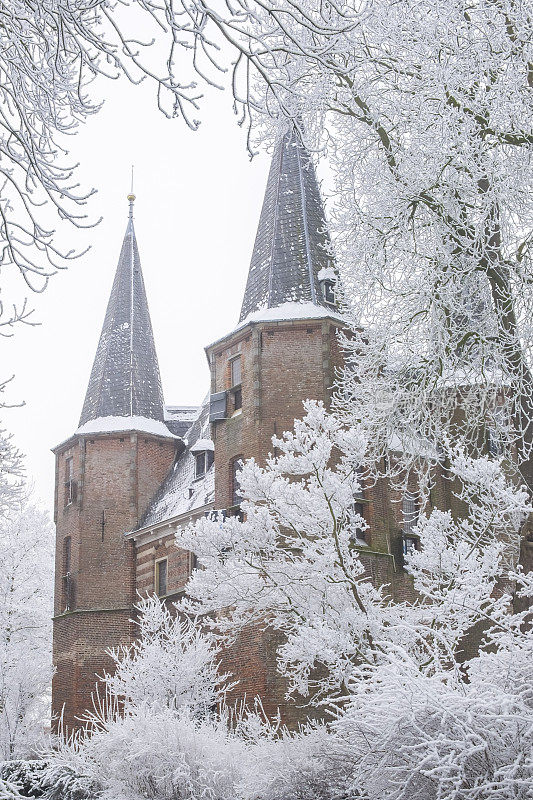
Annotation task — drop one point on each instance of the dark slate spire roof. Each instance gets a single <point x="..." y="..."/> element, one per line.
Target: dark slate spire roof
<point x="125" y="378"/>
<point x="292" y="243"/>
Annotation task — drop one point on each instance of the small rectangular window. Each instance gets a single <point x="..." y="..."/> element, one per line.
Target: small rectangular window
<point x="203" y="462"/>
<point x="161" y="577"/>
<point x="329" y="292"/>
<point x="70" y="484"/>
<point x="236" y="374"/>
<point x="410" y="545"/>
<point x="359" y="509"/>
<point x="409" y="512"/>
<point x="199" y="464"/>
<point x="494" y="442"/>
<point x="66" y="555"/>
<point x="237" y="399"/>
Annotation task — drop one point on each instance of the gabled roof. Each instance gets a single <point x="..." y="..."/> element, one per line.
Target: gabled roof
<point x="125" y="379"/>
<point x="181" y="492"/>
<point x="292" y="244"/>
<point x="179" y="419"/>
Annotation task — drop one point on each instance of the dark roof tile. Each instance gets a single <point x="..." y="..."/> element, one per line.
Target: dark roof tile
<point x="125" y="379"/>
<point x="292" y="244"/>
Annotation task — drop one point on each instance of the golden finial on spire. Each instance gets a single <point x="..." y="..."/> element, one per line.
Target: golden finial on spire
<point x="131" y="196"/>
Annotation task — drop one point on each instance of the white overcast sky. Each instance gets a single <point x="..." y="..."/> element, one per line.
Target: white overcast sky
<point x="196" y="214"/>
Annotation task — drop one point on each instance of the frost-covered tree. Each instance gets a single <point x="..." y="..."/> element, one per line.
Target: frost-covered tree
<point x="423" y="110"/>
<point x="51" y="53"/>
<point x="295" y="561"/>
<point x="155" y="733"/>
<point x="381" y="667"/>
<point x="171" y="664"/>
<point x="11" y="474"/>
<point x="26" y="592"/>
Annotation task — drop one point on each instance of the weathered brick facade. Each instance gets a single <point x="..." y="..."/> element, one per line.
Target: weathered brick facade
<point x="115" y="476"/>
<point x="134" y="472"/>
<point x="282" y="363"/>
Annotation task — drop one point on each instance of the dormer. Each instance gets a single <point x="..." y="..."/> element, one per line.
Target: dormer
<point x="327" y="280"/>
<point x="203" y="451"/>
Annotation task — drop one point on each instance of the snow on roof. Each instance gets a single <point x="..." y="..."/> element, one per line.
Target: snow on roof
<point x="182" y="491"/>
<point x="119" y="424"/>
<point x="201" y="445"/>
<point x="327" y="274"/>
<point x="287" y="311"/>
<point x="292" y="242"/>
<point x="180" y="418"/>
<point x="182" y="413"/>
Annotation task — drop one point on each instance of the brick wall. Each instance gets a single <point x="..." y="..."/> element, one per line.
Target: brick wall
<point x="159" y="547"/>
<point x="283" y="364"/>
<point x="116" y="475"/>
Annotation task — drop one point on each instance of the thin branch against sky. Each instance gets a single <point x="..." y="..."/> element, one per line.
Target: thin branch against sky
<point x="196" y="213"/>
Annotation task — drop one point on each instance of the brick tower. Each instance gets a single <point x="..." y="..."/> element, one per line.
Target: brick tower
<point x="106" y="474"/>
<point x="284" y="350"/>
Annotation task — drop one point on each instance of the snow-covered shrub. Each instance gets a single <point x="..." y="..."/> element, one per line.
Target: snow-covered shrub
<point x="62" y="781"/>
<point x="157" y="754"/>
<point x="171" y="665"/>
<point x="156" y="735"/>
<point x="306" y="765"/>
<point x="26" y="775"/>
<point x="9" y="790"/>
<point x="413" y="718"/>
<point x="412" y="735"/>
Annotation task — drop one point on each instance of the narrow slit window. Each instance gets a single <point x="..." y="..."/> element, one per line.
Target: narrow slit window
<point x="66" y="555"/>
<point x="67" y="577"/>
<point x="70" y="483"/>
<point x="409" y="512"/>
<point x="161" y="569"/>
<point x="236" y="372"/>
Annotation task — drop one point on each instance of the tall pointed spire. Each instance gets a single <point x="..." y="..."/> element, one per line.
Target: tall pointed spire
<point x="292" y="244"/>
<point x="125" y="379"/>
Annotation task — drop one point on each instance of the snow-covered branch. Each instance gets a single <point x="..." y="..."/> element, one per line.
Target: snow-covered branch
<point x="295" y="563"/>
